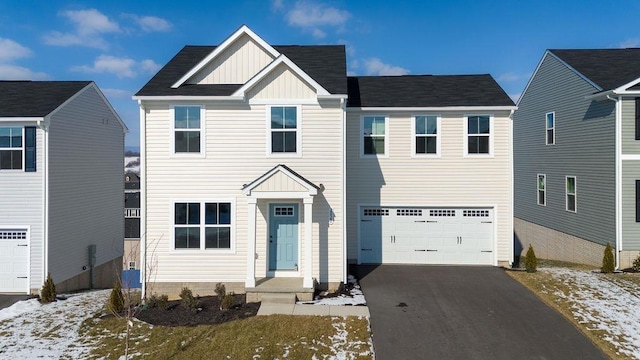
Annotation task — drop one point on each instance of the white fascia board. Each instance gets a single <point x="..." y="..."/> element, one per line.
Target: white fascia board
<point x="438" y="108"/>
<point x="282" y="59"/>
<point x="244" y="29"/>
<point x="21" y="119"/>
<point x="187" y="98"/>
<point x="333" y="97"/>
<point x="623" y="88"/>
<point x="247" y="191"/>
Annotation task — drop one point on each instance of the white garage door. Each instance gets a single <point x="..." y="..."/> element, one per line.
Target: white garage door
<point x="397" y="235"/>
<point x="14" y="261"/>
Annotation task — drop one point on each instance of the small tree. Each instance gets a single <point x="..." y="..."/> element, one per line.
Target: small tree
<point x="116" y="299"/>
<point x="608" y="261"/>
<point x="188" y="300"/>
<point x="636" y="264"/>
<point x="227" y="301"/>
<point x="48" y="292"/>
<point x="530" y="260"/>
<point x="221" y="291"/>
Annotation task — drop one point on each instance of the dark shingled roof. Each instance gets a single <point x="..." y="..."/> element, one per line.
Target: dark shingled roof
<point x="326" y="64"/>
<point x="608" y="68"/>
<point x="426" y="91"/>
<point x="35" y="98"/>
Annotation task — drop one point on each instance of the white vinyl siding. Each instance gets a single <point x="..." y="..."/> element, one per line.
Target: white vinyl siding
<point x="451" y="180"/>
<point x="22" y="204"/>
<point x="235" y="65"/>
<point x="235" y="155"/>
<point x="85" y="185"/>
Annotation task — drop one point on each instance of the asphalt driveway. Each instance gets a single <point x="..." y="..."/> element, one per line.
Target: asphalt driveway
<point x="445" y="312"/>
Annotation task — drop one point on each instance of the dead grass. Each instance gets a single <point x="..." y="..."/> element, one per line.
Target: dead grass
<point x="275" y="336"/>
<point x="553" y="292"/>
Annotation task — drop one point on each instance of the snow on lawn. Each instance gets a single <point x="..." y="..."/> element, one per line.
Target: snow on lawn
<point x="606" y="303"/>
<point x="129" y="162"/>
<point x="355" y="297"/>
<point x="29" y="329"/>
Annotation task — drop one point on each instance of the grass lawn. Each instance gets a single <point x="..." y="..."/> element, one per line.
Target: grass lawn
<point x="573" y="299"/>
<point x="260" y="337"/>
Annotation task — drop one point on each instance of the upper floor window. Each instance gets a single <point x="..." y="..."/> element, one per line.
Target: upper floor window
<point x="374" y="129"/>
<point x="284" y="129"/>
<point x="478" y="134"/>
<point x="542" y="189"/>
<point x="202" y="225"/>
<point x="571" y="193"/>
<point x="426" y="134"/>
<point x="551" y="128"/>
<point x="188" y="129"/>
<point x="18" y="148"/>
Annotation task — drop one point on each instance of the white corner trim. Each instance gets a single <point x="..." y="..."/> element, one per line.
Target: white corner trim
<point x="243" y="30"/>
<point x="282" y="59"/>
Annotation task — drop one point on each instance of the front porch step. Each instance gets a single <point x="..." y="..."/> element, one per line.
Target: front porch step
<point x="278" y="298"/>
<point x="280" y="288"/>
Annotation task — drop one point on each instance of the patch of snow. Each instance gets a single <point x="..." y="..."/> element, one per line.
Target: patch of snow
<point x="32" y="330"/>
<point x="355" y="297"/>
<point x="608" y="303"/>
<point x="132" y="168"/>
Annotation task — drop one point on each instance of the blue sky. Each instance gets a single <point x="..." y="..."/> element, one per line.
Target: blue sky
<point x="121" y="44"/>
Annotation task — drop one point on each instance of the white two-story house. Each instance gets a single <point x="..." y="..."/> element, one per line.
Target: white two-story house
<point x="261" y="162"/>
<point x="61" y="147"/>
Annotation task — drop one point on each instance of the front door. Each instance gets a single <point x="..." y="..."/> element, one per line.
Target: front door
<point x="283" y="237"/>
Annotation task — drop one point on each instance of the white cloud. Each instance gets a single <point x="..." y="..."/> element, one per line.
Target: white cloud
<point x="150" y="23"/>
<point x="374" y="66"/>
<point x="121" y="67"/>
<point x="313" y="16"/>
<point x="149" y="66"/>
<point x="14" y="72"/>
<point x="10" y="50"/>
<point x="117" y="93"/>
<point x="277" y="4"/>
<point x="630" y="43"/>
<point x="90" y="25"/>
<point x="512" y="77"/>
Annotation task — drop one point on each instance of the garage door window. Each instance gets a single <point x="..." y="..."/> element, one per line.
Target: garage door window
<point x="442" y="213"/>
<point x="13" y="235"/>
<point x="376" y="212"/>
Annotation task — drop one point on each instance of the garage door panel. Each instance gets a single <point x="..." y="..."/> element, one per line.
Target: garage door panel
<point x="427" y="236"/>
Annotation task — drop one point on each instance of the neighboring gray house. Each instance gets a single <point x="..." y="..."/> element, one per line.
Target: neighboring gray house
<point x="577" y="156"/>
<point x="61" y="149"/>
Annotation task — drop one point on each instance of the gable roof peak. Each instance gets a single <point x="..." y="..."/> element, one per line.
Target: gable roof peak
<point x="243" y="30"/>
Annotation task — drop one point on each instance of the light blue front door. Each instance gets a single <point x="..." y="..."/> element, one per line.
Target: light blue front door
<point x="283" y="237"/>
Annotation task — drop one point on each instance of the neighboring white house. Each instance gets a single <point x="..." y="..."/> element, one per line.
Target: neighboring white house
<point x="61" y="148"/>
<point x="262" y="162"/>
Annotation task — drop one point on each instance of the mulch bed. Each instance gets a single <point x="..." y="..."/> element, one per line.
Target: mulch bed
<point x="208" y="312"/>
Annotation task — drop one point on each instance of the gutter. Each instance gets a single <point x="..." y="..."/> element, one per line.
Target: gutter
<point x="618" y="174"/>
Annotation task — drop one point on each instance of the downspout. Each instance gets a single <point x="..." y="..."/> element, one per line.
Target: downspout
<point x="44" y="126"/>
<point x="618" y="176"/>
<point x="142" y="246"/>
<point x="343" y="105"/>
<point x="512" y="184"/>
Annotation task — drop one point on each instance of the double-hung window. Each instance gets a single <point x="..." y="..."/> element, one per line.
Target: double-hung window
<point x="551" y="128"/>
<point x="374" y="129"/>
<point x="18" y="148"/>
<point x="284" y="129"/>
<point x="187" y="129"/>
<point x="426" y="135"/>
<point x="571" y="193"/>
<point x="478" y="134"/>
<point x="542" y="189"/>
<point x="205" y="225"/>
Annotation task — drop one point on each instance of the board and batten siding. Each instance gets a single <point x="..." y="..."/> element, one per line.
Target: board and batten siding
<point x="237" y="140"/>
<point x="21" y="205"/>
<point x="452" y="179"/>
<point x="630" y="228"/>
<point x="235" y="65"/>
<point x="584" y="148"/>
<point x="282" y="83"/>
<point x="86" y="148"/>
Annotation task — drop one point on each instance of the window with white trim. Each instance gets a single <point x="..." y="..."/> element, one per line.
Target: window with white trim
<point x="11" y="147"/>
<point x="551" y="128"/>
<point x="571" y="194"/>
<point x="426" y="134"/>
<point x="284" y="129"/>
<point x="478" y="134"/>
<point x="374" y="135"/>
<point x="205" y="225"/>
<point x="187" y="124"/>
<point x="542" y="189"/>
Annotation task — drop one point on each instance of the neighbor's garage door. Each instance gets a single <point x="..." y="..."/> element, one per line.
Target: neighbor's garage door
<point x="14" y="260"/>
<point x="390" y="235"/>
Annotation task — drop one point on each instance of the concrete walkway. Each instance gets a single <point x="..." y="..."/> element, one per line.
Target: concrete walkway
<point x="318" y="310"/>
